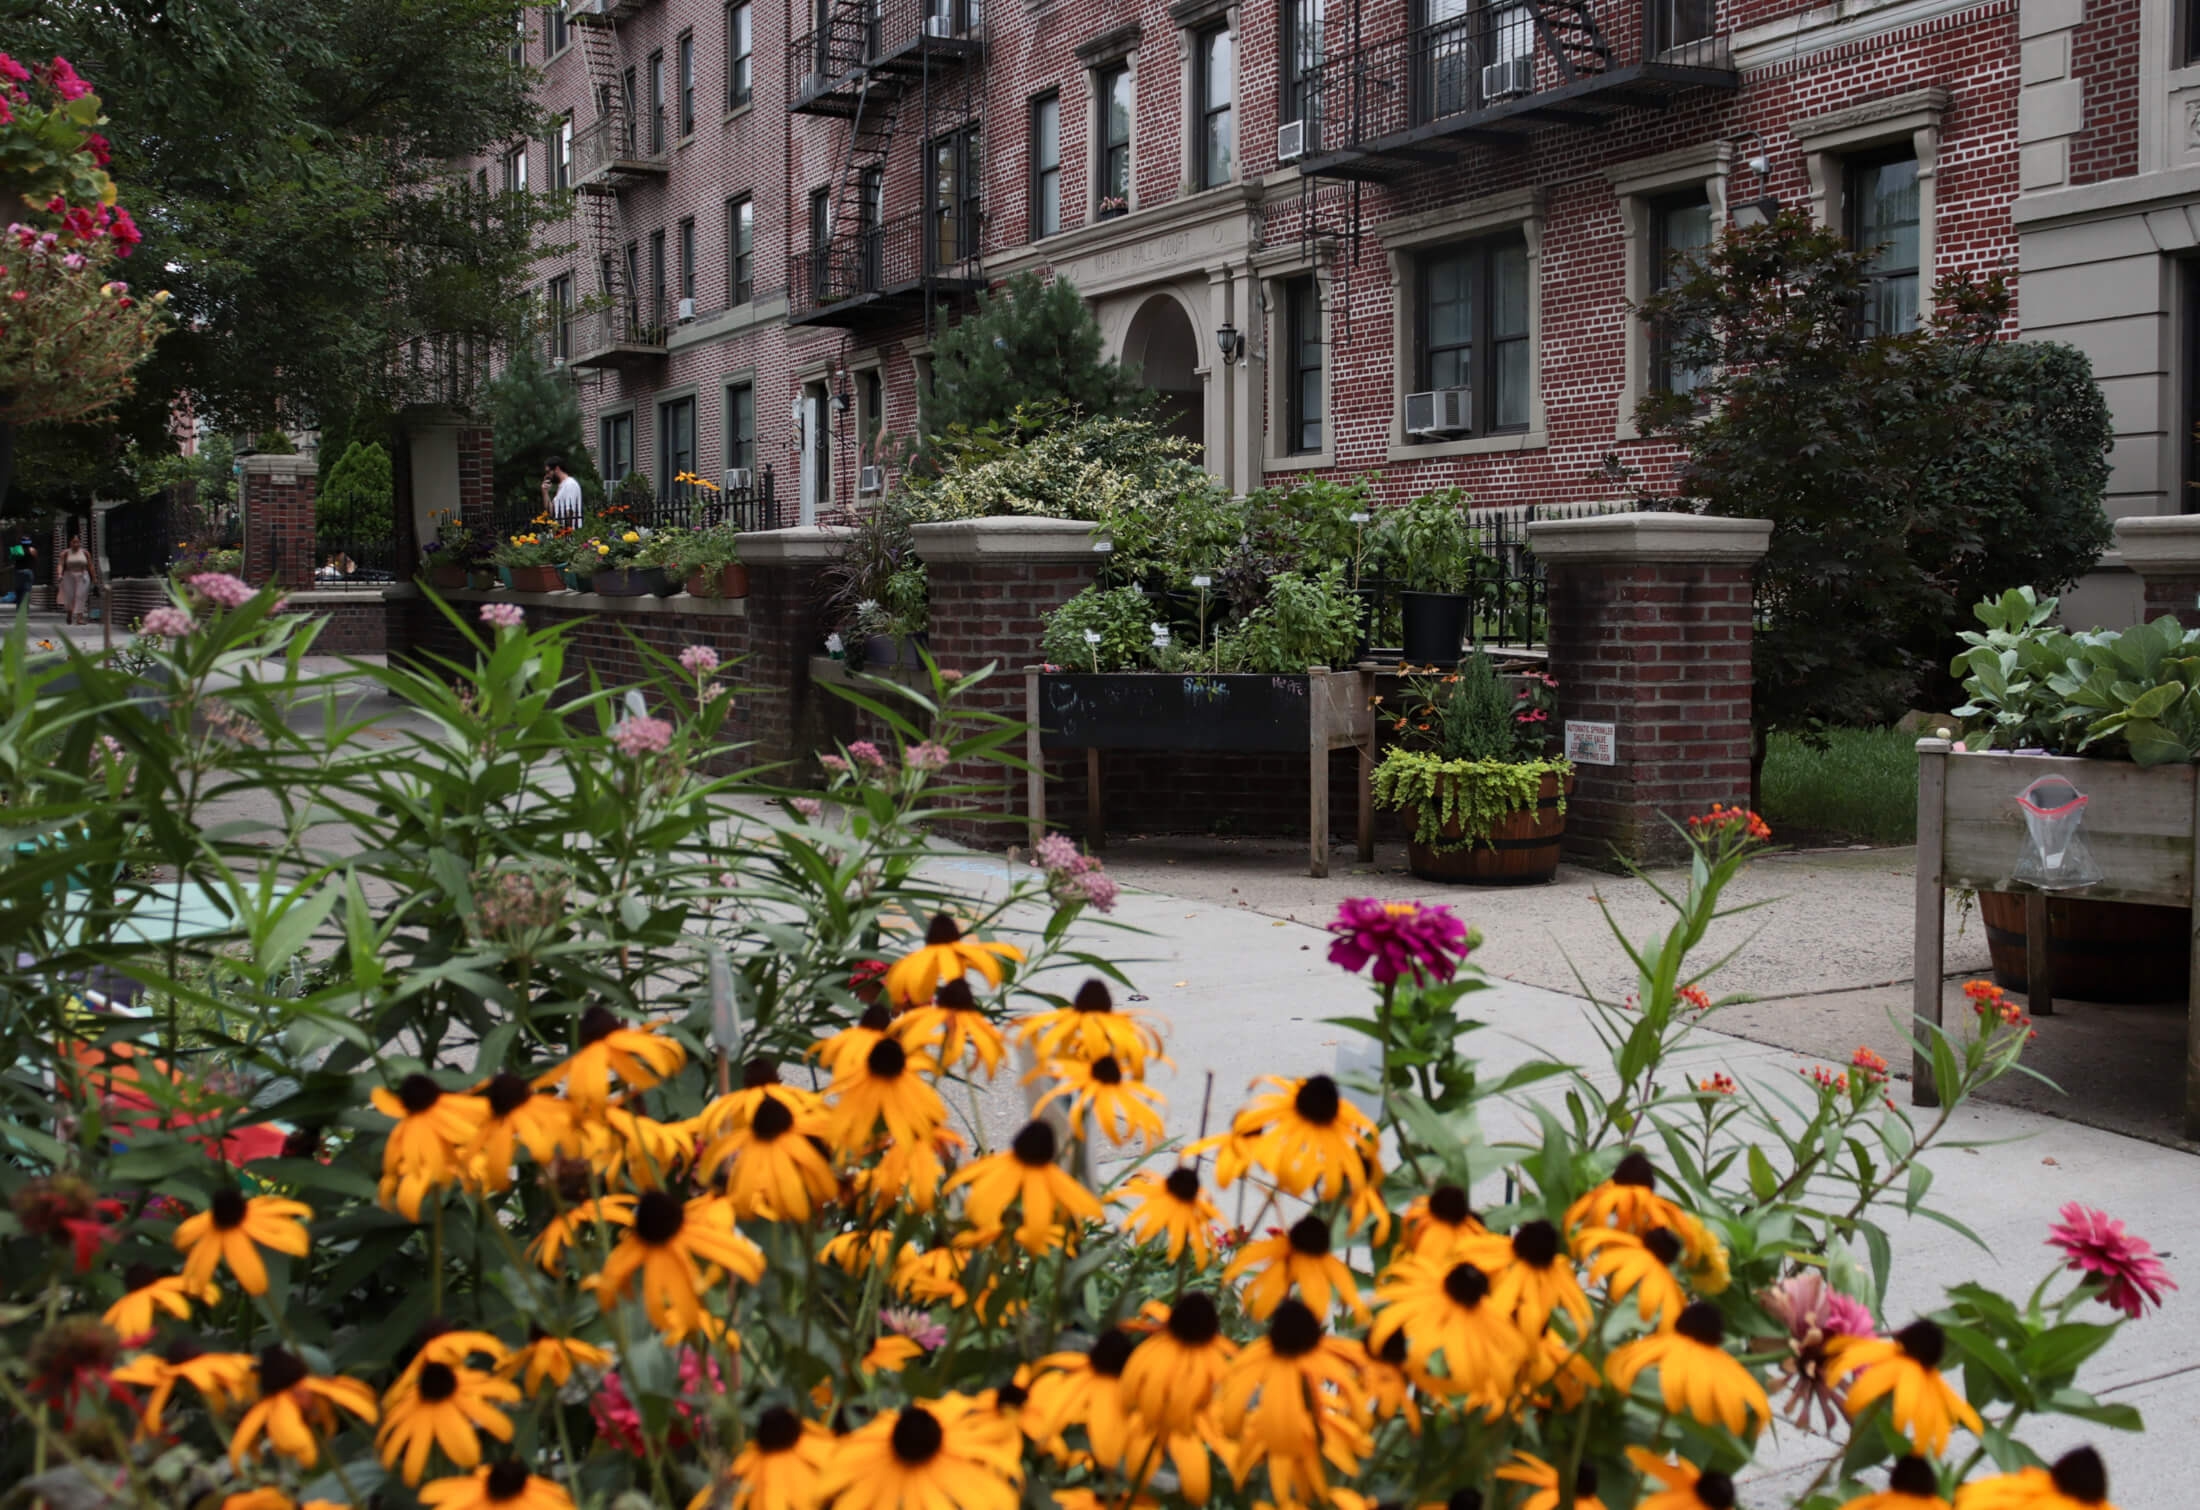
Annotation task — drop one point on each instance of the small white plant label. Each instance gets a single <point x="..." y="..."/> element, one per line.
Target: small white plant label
<point x="1591" y="744"/>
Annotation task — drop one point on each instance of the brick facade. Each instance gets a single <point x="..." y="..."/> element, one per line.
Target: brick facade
<point x="277" y="501"/>
<point x="2164" y="552"/>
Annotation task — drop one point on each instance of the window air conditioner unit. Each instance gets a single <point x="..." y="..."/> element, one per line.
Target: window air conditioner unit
<point x="1444" y="411"/>
<point x="687" y="309"/>
<point x="1290" y="141"/>
<point x="871" y="480"/>
<point x="738" y="479"/>
<point x="1508" y="77"/>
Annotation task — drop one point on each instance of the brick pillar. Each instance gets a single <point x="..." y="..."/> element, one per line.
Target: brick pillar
<point x="1650" y="633"/>
<point x="2163" y="550"/>
<point x="477" y="493"/>
<point x="786" y="627"/>
<point x="278" y="520"/>
<point x="993" y="582"/>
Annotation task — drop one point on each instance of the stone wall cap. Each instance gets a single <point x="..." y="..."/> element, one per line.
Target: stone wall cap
<point x="798" y="545"/>
<point x="1679" y="538"/>
<point x="1007" y="537"/>
<point x="2160" y="545"/>
<point x="274" y="462"/>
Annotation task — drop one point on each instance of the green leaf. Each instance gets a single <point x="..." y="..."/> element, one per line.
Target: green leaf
<point x="1762" y="1180"/>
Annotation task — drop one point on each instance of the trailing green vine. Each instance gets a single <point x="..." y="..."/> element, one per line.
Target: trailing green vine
<point x="1477" y="795"/>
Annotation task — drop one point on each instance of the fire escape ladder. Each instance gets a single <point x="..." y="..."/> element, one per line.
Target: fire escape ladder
<point x="1570" y="34"/>
<point x="601" y="206"/>
<point x="856" y="218"/>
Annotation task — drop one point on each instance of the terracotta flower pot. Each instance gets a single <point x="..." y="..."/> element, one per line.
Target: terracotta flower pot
<point x="1522" y="850"/>
<point x="731" y="581"/>
<point x="446" y="576"/>
<point x="537" y="579"/>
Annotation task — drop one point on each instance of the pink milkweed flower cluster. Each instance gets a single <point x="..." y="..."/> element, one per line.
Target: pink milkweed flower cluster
<point x="221" y="589"/>
<point x="168" y="622"/>
<point x="1073" y="875"/>
<point x="643" y="735"/>
<point x="866" y="753"/>
<point x="808" y="807"/>
<point x="929" y="756"/>
<point x="835" y="764"/>
<point x="914" y="1325"/>
<point x="699" y="660"/>
<point x="2124" y="1264"/>
<point x="503" y="615"/>
<point x="1402" y="940"/>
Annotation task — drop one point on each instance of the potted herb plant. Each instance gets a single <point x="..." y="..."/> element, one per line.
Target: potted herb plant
<point x="893" y="628"/>
<point x="1484" y="800"/>
<point x="713" y="563"/>
<point x="532" y="562"/>
<point x="449" y="555"/>
<point x="1430" y="550"/>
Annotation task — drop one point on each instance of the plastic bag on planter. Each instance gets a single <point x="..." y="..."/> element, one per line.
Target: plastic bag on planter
<point x="2055" y="856"/>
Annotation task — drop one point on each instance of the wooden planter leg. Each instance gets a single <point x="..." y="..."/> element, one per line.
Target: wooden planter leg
<point x="1317" y="776"/>
<point x="2039" y="969"/>
<point x="1035" y="780"/>
<point x="1366" y="743"/>
<point x="1096" y="808"/>
<point x="2192" y="997"/>
<point x="1929" y="959"/>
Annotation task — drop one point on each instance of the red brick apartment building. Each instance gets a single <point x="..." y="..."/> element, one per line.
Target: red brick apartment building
<point x="1414" y="224"/>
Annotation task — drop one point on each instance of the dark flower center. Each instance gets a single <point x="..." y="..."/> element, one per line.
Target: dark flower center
<point x="761" y="1071"/>
<point x="1317" y="1100"/>
<point x="658" y="1218"/>
<point x="1394" y="1348"/>
<point x="1310" y="1236"/>
<point x="1011" y="1395"/>
<point x="955" y="994"/>
<point x="1585" y="1483"/>
<point x="302" y="1143"/>
<point x="1536" y="1244"/>
<point x="1194" y="1321"/>
<point x="942" y="930"/>
<point x="1466" y="1285"/>
<point x="1636" y="1170"/>
<point x="1107" y="1071"/>
<point x="279" y="1370"/>
<point x="778" y="1429"/>
<point x="181" y="1351"/>
<point x="1914" y="1475"/>
<point x="1702" y="1323"/>
<point x="1465" y="1499"/>
<point x="597" y="1023"/>
<point x="887" y="1059"/>
<point x="138" y="1276"/>
<point x="1715" y="1490"/>
<point x="1294" y="1331"/>
<point x="1093" y="996"/>
<point x="228" y="1209"/>
<point x="416" y="1093"/>
<point x="876" y="1018"/>
<point x="1922" y="1342"/>
<point x="507" y="1480"/>
<point x="772" y="1120"/>
<point x="571" y="1178"/>
<point x="437" y="1382"/>
<point x="1663" y="1245"/>
<point x="1448" y="1204"/>
<point x="917" y="1435"/>
<point x="1111" y="1352"/>
<point x="1034" y="1146"/>
<point x="2082" y="1476"/>
<point x="1183" y="1183"/>
<point x="508" y="1093"/>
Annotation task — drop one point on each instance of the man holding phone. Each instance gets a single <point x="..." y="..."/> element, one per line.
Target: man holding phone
<point x="564" y="503"/>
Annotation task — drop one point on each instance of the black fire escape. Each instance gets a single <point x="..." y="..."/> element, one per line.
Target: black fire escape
<point x="620" y="322"/>
<point x="892" y="69"/>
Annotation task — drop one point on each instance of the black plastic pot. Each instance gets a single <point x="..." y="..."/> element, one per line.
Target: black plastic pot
<point x="1435" y="626"/>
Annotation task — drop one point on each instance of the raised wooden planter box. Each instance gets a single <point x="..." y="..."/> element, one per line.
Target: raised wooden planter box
<point x="2141" y="825"/>
<point x="1316" y="712"/>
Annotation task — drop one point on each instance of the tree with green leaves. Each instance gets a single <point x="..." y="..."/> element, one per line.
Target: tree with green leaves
<point x="1906" y="474"/>
<point x="535" y="415"/>
<point x="355" y="502"/>
<point x="1033" y="344"/>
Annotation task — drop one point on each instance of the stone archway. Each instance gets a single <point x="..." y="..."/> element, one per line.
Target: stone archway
<point x="1164" y="348"/>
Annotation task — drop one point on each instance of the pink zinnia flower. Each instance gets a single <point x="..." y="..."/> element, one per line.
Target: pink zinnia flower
<point x="914" y="1325"/>
<point x="642" y="736"/>
<point x="1403" y="939"/>
<point x="699" y="660"/>
<point x="868" y="754"/>
<point x="928" y="756"/>
<point x="1815" y="1313"/>
<point x="2098" y="1247"/>
<point x="503" y="615"/>
<point x="221" y="589"/>
<point x="168" y="623"/>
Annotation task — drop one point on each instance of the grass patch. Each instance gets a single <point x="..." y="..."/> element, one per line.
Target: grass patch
<point x="1860" y="788"/>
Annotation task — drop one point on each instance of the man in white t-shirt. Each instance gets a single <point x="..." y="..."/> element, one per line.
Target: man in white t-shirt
<point x="565" y="504"/>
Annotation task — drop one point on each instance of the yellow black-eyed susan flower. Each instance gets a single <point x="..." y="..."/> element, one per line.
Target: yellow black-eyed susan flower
<point x="958" y="1028"/>
<point x="853" y="1042"/>
<point x="222" y="1379"/>
<point x="1389" y="1386"/>
<point x="1433" y="1222"/>
<point x="573" y="1181"/>
<point x="857" y="1252"/>
<point x="2078" y="1481"/>
<point x="497" y="1486"/>
<point x="1171" y="1376"/>
<point x="1298" y="1258"/>
<point x="548" y="1360"/>
<point x="445" y="1407"/>
<point x="1084" y="1390"/>
<point x="626" y="1147"/>
<point x="886" y="1087"/>
<point x="1025" y="1175"/>
<point x="1306" y="1135"/>
<point x="519" y="1117"/>
<point x="907" y="1175"/>
<point x="946" y="954"/>
<point x="781" y="1468"/>
<point x="1293" y="1400"/>
<point x="759" y="1078"/>
<point x="639" y="1056"/>
<point x="1171" y="1207"/>
<point x="150" y="1294"/>
<point x="1641" y="1266"/>
<point x="949" y="1451"/>
<point x="441" y="1343"/>
<point x="1912" y="1484"/>
<point x="891" y="1354"/>
<point x="1119" y="1104"/>
<point x="1445" y="1308"/>
<point x="1686" y="1487"/>
<point x="296" y="1408"/>
<point x="1630" y="1199"/>
<point x="1906" y="1369"/>
<point x="422" y="1153"/>
<point x="1696" y="1374"/>
<point x="1089" y="1027"/>
<point x="666" y="1248"/>
<point x="929" y="1275"/>
<point x="1556" y="1368"/>
<point x="1542" y="1477"/>
<point x="1530" y="1275"/>
<point x="772" y="1168"/>
<point x="231" y="1231"/>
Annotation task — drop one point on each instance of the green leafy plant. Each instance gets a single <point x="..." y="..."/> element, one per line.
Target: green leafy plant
<point x="1306" y="621"/>
<point x="1426" y="543"/>
<point x="1468" y="749"/>
<point x="2115" y="692"/>
<point x="1101" y="629"/>
<point x="1475" y="795"/>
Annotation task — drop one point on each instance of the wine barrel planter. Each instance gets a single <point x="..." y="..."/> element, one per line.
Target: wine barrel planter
<point x="2099" y="951"/>
<point x="1522" y="850"/>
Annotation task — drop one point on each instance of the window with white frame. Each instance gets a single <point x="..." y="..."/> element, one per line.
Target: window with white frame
<point x="1046" y="166"/>
<point x="1680" y="231"/>
<point x="740" y="249"/>
<point x="1305" y="359"/>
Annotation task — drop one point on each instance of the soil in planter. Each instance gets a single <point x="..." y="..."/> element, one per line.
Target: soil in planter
<point x="2099" y="951"/>
<point x="1522" y="849"/>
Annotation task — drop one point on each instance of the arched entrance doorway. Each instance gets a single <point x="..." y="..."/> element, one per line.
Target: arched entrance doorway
<point x="1163" y="347"/>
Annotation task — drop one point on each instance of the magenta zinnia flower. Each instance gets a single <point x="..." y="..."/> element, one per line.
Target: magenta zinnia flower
<point x="2132" y="1278"/>
<point x="1815" y="1313"/>
<point x="1403" y="939"/>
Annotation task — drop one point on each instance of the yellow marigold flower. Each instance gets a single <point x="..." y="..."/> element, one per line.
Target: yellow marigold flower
<point x="445" y="1406"/>
<point x="949" y="1451"/>
<point x="1912" y="1484"/>
<point x="945" y="954"/>
<point x="1906" y="1369"/>
<point x="1089" y="1027"/>
<point x="631" y="538"/>
<point x="1119" y="1106"/>
<point x="1687" y="1487"/>
<point x="637" y="1055"/>
<point x="781" y="1468"/>
<point x="499" y="1486"/>
<point x="1298" y="1258"/>
<point x="776" y="1173"/>
<point x="886" y="1086"/>
<point x="960" y="1026"/>
<point x="1026" y="1176"/>
<point x="1543" y="1478"/>
<point x="1306" y="1135"/>
<point x="548" y="1360"/>
<point x="222" y="1379"/>
<point x="1171" y="1376"/>
<point x="296" y="1407"/>
<point x="1530" y="1276"/>
<point x="1171" y="1206"/>
<point x="518" y="1117"/>
<point x="2078" y="1481"/>
<point x="231" y="1231"/>
<point x="1434" y="1221"/>
<point x="1638" y="1265"/>
<point x="138" y="1311"/>
<point x="1444" y="1307"/>
<point x="422" y="1153"/>
<point x="665" y="1248"/>
<point x="1696" y="1374"/>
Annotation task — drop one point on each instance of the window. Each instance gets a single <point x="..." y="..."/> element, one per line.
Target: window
<point x="871" y="227"/>
<point x="1302" y="62"/>
<point x="1473" y="328"/>
<point x="616" y="434"/>
<point x="559" y="294"/>
<point x="656" y="102"/>
<point x="554" y="34"/>
<point x="634" y="282"/>
<point x="686" y="53"/>
<point x="1881" y="195"/>
<point x="515" y="170"/>
<point x="740" y="45"/>
<point x="675" y="439"/>
<point x="1046" y="165"/>
<point x="687" y="262"/>
<point x="821" y="242"/>
<point x="1680" y="228"/>
<point x="740" y="250"/>
<point x="1302" y="322"/>
<point x="628" y="114"/>
<point x="1214" y="81"/>
<point x="561" y="155"/>
<point x="1115" y="139"/>
<point x="656" y="312"/>
<point x="741" y="426"/>
<point x="954" y="198"/>
<point x="870" y="411"/>
<point x="517" y="51"/>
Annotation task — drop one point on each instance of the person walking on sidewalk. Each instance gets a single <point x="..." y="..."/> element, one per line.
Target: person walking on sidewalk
<point x="78" y="575"/>
<point x="23" y="556"/>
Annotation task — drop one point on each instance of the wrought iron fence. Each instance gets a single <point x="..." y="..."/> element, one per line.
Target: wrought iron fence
<point x="344" y="561"/>
<point x="1511" y="601"/>
<point x="137" y="537"/>
<point x="671" y="505"/>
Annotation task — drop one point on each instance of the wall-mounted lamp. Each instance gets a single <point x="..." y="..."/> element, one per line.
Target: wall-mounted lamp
<point x="841" y="401"/>
<point x="1766" y="205"/>
<point x="1230" y="341"/>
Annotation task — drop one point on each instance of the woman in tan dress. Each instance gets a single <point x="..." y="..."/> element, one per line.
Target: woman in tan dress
<point x="78" y="573"/>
